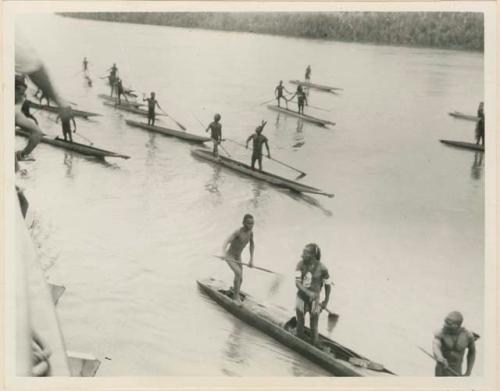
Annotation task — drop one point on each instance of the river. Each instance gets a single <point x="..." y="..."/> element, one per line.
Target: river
<point x="403" y="237"/>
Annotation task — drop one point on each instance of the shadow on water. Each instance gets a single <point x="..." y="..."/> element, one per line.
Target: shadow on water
<point x="477" y="166"/>
<point x="307" y="199"/>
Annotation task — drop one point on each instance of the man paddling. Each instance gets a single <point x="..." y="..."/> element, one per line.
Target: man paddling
<point x="232" y="249"/>
<point x="450" y="343"/>
<point x="66" y="124"/>
<point x="215" y="128"/>
<point x="310" y="277"/>
<point x="480" y="125"/>
<point x="152" y="104"/>
<point x="258" y="140"/>
<point x="301" y="99"/>
<point x="278" y="92"/>
<point x="120" y="91"/>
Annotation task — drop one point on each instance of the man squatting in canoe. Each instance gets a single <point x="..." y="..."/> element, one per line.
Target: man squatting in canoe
<point x="258" y="140"/>
<point x="480" y="125"/>
<point x="27" y="63"/>
<point x="449" y="347"/>
<point x="236" y="243"/>
<point x="215" y="133"/>
<point x="152" y="103"/>
<point x="301" y="99"/>
<point x="66" y="124"/>
<point x="310" y="277"/>
<point x="278" y="92"/>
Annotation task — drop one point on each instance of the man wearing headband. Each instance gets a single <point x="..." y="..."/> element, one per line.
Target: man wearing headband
<point x="310" y="277"/>
<point x="449" y="347"/>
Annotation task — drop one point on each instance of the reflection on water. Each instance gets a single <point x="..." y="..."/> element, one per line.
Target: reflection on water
<point x="212" y="184"/>
<point x="309" y="200"/>
<point x="152" y="148"/>
<point x="258" y="188"/>
<point x="235" y="348"/>
<point x="477" y="166"/>
<point x="68" y="162"/>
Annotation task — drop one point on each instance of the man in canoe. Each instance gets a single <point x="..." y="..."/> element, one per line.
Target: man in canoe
<point x="215" y="128"/>
<point x="480" y="125"/>
<point x="278" y="92"/>
<point x="301" y="99"/>
<point x="310" y="277"/>
<point x="308" y="73"/>
<point x="232" y="249"/>
<point x="120" y="91"/>
<point x="258" y="140"/>
<point x="85" y="64"/>
<point x="152" y="104"/>
<point x="449" y="347"/>
<point x="66" y="124"/>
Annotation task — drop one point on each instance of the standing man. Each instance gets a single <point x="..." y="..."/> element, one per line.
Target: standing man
<point x="278" y="92"/>
<point x="480" y="124"/>
<point x="310" y="277"/>
<point x="449" y="347"/>
<point x="120" y="91"/>
<point x="301" y="99"/>
<point x="258" y="140"/>
<point x="308" y="73"/>
<point x="215" y="133"/>
<point x="113" y="71"/>
<point x="85" y="64"/>
<point x="236" y="243"/>
<point x="66" y="124"/>
<point x="152" y="104"/>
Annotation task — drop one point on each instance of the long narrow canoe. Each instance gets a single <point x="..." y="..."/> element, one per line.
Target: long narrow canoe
<point x="130" y="109"/>
<point x="458" y="114"/>
<point x="124" y="102"/>
<point x="76" y="147"/>
<point x="169" y="132"/>
<point x="334" y="357"/>
<point x="315" y="85"/>
<point x="463" y="144"/>
<point x="261" y="175"/>
<point x="305" y="117"/>
<point x="54" y="109"/>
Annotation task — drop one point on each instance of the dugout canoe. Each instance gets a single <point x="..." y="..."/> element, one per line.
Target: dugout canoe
<point x="305" y="117"/>
<point x="194" y="138"/>
<point x="54" y="109"/>
<point x="75" y="147"/>
<point x="316" y="86"/>
<point x="243" y="168"/>
<point x="276" y="322"/>
<point x="130" y="109"/>
<point x="458" y="114"/>
<point x="463" y="144"/>
<point x="124" y="102"/>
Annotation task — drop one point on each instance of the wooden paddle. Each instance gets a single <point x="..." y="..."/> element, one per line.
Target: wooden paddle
<point x="220" y="144"/>
<point x="302" y="173"/>
<point x="85" y="138"/>
<point x="434" y="358"/>
<point x="246" y="264"/>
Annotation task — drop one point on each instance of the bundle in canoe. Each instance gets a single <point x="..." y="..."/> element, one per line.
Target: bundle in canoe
<point x="169" y="132"/>
<point x="261" y="175"/>
<point x="463" y="144"/>
<point x="316" y="86"/>
<point x="458" y="114"/>
<point x="124" y="102"/>
<point x="305" y="117"/>
<point x="54" y="109"/>
<point x="76" y="147"/>
<point x="274" y="321"/>
<point x="130" y="109"/>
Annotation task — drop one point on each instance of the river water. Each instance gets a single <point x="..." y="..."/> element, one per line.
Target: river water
<point x="403" y="237"/>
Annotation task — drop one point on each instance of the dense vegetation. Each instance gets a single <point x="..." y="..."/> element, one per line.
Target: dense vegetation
<point x="453" y="30"/>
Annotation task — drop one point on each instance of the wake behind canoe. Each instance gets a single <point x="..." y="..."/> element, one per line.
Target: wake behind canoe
<point x="130" y="109"/>
<point x="315" y="85"/>
<point x="334" y="357"/>
<point x="169" y="132"/>
<point x="76" y="147"/>
<point x="261" y="175"/>
<point x="53" y="109"/>
<point x="457" y="114"/>
<point x="305" y="117"/>
<point x="463" y="144"/>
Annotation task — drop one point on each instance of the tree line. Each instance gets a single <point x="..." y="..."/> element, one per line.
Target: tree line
<point x="448" y="30"/>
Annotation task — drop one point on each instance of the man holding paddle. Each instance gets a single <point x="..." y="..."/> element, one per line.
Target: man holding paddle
<point x="215" y="128"/>
<point x="66" y="124"/>
<point x="278" y="92"/>
<point x="310" y="277"/>
<point x="301" y="99"/>
<point x="232" y="249"/>
<point x="152" y="104"/>
<point x="449" y="347"/>
<point x="258" y="140"/>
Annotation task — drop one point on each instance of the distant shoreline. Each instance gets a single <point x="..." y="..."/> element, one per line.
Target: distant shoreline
<point x="440" y="30"/>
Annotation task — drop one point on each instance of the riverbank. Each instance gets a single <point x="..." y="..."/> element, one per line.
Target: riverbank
<point x="445" y="30"/>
